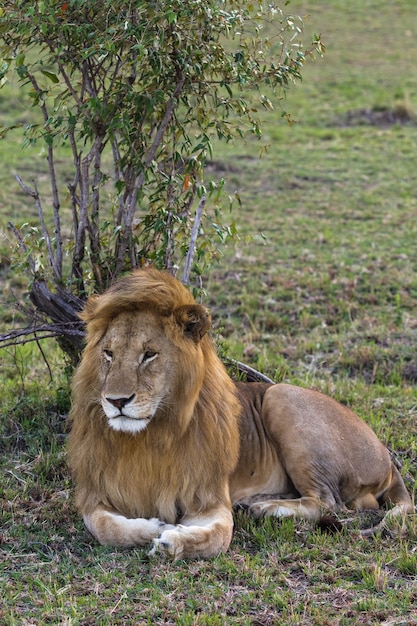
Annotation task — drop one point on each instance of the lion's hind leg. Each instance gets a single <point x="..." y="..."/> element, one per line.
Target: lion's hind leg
<point x="363" y="502"/>
<point x="395" y="494"/>
<point x="307" y="507"/>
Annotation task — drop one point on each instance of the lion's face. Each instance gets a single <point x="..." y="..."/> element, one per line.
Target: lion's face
<point x="141" y="366"/>
<point x="137" y="362"/>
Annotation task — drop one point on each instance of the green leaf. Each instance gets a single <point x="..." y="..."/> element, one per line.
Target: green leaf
<point x="52" y="77"/>
<point x="49" y="140"/>
<point x="171" y="17"/>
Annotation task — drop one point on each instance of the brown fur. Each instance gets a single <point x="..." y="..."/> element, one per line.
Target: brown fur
<point x="173" y="476"/>
<point x="310" y="454"/>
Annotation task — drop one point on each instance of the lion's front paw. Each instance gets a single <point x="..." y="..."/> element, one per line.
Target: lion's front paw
<point x="152" y="527"/>
<point x="170" y="544"/>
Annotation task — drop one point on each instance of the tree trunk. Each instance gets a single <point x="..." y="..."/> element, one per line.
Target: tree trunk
<point x="62" y="309"/>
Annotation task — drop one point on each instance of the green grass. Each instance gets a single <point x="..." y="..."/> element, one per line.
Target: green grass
<point x="320" y="290"/>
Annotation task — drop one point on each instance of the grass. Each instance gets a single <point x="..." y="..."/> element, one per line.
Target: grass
<point x="320" y="290"/>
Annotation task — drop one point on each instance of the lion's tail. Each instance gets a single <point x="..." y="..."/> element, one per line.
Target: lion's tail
<point x="396" y="494"/>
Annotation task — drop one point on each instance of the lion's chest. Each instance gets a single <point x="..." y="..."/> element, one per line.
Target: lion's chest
<point x="138" y="486"/>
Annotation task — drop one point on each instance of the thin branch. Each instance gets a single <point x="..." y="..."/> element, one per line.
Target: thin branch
<point x="35" y="195"/>
<point x="94" y="223"/>
<point x="252" y="375"/>
<point x="193" y="241"/>
<point x="169" y="248"/>
<point x="45" y="360"/>
<point x="150" y="155"/>
<point x="78" y="100"/>
<point x="56" y="259"/>
<point x="76" y="271"/>
<point x="24" y="247"/>
<point x="36" y="333"/>
<point x="114" y="69"/>
<point x="151" y="152"/>
<point x="187" y="205"/>
<point x="56" y="207"/>
<point x="117" y="178"/>
<point x="130" y="206"/>
<point x="83" y="168"/>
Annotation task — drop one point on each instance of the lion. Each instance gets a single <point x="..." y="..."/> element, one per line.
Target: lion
<point x="163" y="443"/>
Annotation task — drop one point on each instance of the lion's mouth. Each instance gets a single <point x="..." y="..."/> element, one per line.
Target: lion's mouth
<point x="128" y="423"/>
<point x="130" y="417"/>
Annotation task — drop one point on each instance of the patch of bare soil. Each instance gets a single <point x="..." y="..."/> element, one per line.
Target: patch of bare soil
<point x="384" y="116"/>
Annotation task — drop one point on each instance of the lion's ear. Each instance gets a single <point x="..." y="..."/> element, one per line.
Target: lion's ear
<point x="194" y="319"/>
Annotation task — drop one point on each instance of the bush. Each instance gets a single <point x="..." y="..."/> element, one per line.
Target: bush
<point x="137" y="91"/>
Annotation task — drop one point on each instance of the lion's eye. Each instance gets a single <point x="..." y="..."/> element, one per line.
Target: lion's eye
<point x="149" y="355"/>
<point x="109" y="355"/>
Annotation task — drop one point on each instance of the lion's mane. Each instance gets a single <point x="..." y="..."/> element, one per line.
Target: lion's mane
<point x="182" y="458"/>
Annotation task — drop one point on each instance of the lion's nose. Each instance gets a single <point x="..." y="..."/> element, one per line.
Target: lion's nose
<point x="119" y="403"/>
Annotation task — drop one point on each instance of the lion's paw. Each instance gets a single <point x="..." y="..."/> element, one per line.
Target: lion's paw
<point x="160" y="525"/>
<point x="169" y="544"/>
<point x="261" y="509"/>
<point x="257" y="510"/>
<point x="150" y="528"/>
<point x="155" y="524"/>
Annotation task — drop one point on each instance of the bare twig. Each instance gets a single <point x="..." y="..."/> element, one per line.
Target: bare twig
<point x="193" y="241"/>
<point x="45" y="360"/>
<point x="94" y="223"/>
<point x="80" y="234"/>
<point x="35" y="195"/>
<point x="55" y="259"/>
<point x="76" y="272"/>
<point x="159" y="135"/>
<point x="56" y="207"/>
<point x="251" y="374"/>
<point x="24" y="247"/>
<point x="36" y="333"/>
<point x="68" y="82"/>
<point x="169" y="248"/>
